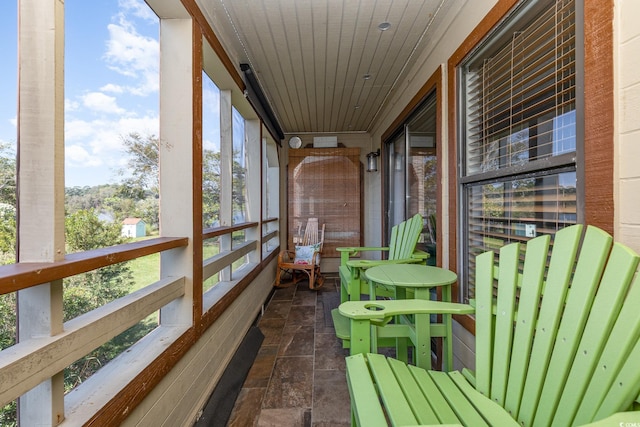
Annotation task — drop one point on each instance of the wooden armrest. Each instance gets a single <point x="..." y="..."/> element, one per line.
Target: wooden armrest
<point x="354" y="251"/>
<point x="368" y="263"/>
<point x="361" y="249"/>
<point x="422" y="255"/>
<point x="382" y="309"/>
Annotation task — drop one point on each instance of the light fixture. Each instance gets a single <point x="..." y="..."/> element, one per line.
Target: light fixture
<point x="384" y="26"/>
<point x="372" y="161"/>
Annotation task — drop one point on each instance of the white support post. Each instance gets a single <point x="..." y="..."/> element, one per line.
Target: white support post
<point x="41" y="188"/>
<point x="176" y="161"/>
<point x="226" y="173"/>
<point x="254" y="184"/>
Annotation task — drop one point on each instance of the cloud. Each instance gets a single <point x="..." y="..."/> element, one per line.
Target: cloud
<point x="94" y="148"/>
<point x="70" y="105"/>
<point x="101" y="103"/>
<point x="103" y="138"/>
<point x="138" y="8"/>
<point x="133" y="55"/>
<point x="77" y="156"/>
<point x="113" y="88"/>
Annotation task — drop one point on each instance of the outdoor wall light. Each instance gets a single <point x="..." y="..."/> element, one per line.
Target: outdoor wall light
<point x="372" y="161"/>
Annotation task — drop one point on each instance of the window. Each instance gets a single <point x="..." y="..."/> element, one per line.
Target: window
<point x="411" y="184"/>
<point x="519" y="131"/>
<point x="271" y="195"/>
<point x="239" y="169"/>
<point x="210" y="153"/>
<point x="210" y="170"/>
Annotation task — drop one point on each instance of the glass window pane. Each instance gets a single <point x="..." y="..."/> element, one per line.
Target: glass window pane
<point x="396" y="192"/>
<point x="422" y="173"/>
<point x="517" y="210"/>
<point x="239" y="193"/>
<point x="519" y="124"/>
<point x="520" y="100"/>
<point x="210" y="153"/>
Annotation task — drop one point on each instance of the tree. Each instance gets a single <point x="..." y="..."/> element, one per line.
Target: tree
<point x="7" y="204"/>
<point x="143" y="164"/>
<point x="84" y="231"/>
<point x="143" y="184"/>
<point x="7" y="174"/>
<point x="82" y="293"/>
<point x="7" y="234"/>
<point x="138" y="193"/>
<point x="88" y="291"/>
<point x="210" y="187"/>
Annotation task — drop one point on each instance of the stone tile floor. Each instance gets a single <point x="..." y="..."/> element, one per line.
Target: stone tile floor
<point x="298" y="377"/>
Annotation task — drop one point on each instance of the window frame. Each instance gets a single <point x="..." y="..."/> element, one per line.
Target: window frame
<point x="516" y="19"/>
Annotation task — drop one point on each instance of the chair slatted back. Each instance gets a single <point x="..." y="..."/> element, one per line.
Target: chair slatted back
<point x="556" y="345"/>
<point x="313" y="233"/>
<point x="404" y="237"/>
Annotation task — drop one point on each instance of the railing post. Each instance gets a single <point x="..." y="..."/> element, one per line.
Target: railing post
<point x="41" y="188"/>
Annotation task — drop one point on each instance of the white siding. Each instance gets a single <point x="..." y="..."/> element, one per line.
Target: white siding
<point x="627" y="125"/>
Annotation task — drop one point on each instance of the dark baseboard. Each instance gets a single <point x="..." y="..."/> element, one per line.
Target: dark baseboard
<point x="218" y="409"/>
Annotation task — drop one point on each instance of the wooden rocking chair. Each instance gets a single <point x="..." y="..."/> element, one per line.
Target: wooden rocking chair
<point x="304" y="261"/>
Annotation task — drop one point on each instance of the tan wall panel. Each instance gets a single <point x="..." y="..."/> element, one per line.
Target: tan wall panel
<point x="627" y="127"/>
<point x="173" y="402"/>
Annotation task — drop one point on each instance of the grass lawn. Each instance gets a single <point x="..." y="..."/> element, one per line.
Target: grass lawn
<point x="146" y="270"/>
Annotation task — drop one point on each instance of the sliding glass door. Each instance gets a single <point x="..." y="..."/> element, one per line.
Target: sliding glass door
<point x="411" y="174"/>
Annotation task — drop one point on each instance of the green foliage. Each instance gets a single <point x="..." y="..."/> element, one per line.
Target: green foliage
<point x="8" y="321"/>
<point x="137" y="195"/>
<point x="7" y="175"/>
<point x="88" y="291"/>
<point x="87" y="198"/>
<point x="7" y="204"/>
<point x="210" y="188"/>
<point x="8" y="415"/>
<point x="143" y="164"/>
<point x="7" y="234"/>
<point x="84" y="231"/>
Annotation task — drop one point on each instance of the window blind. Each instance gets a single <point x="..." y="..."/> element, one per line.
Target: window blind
<point x="324" y="183"/>
<point x="521" y="100"/>
<point x="520" y="112"/>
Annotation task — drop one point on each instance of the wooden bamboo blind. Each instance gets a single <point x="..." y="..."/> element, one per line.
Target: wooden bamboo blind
<point x="324" y="183"/>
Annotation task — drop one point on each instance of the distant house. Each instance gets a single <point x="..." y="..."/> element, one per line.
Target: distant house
<point x="133" y="227"/>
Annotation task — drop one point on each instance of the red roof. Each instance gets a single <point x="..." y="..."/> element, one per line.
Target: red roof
<point x="131" y="221"/>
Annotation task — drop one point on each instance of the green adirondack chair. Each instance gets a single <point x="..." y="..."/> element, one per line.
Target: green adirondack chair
<point x="558" y="346"/>
<point x="401" y="249"/>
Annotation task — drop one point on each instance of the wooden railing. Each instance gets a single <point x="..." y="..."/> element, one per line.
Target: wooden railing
<point x="15" y="277"/>
<point x="113" y="390"/>
<point x="32" y="361"/>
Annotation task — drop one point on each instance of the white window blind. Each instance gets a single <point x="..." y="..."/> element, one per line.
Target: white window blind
<point x="521" y="100"/>
<point x="519" y="121"/>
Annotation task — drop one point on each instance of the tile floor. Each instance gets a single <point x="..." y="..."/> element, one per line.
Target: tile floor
<point x="298" y="377"/>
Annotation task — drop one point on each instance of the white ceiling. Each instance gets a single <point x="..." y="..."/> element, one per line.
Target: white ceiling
<point x="311" y="56"/>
